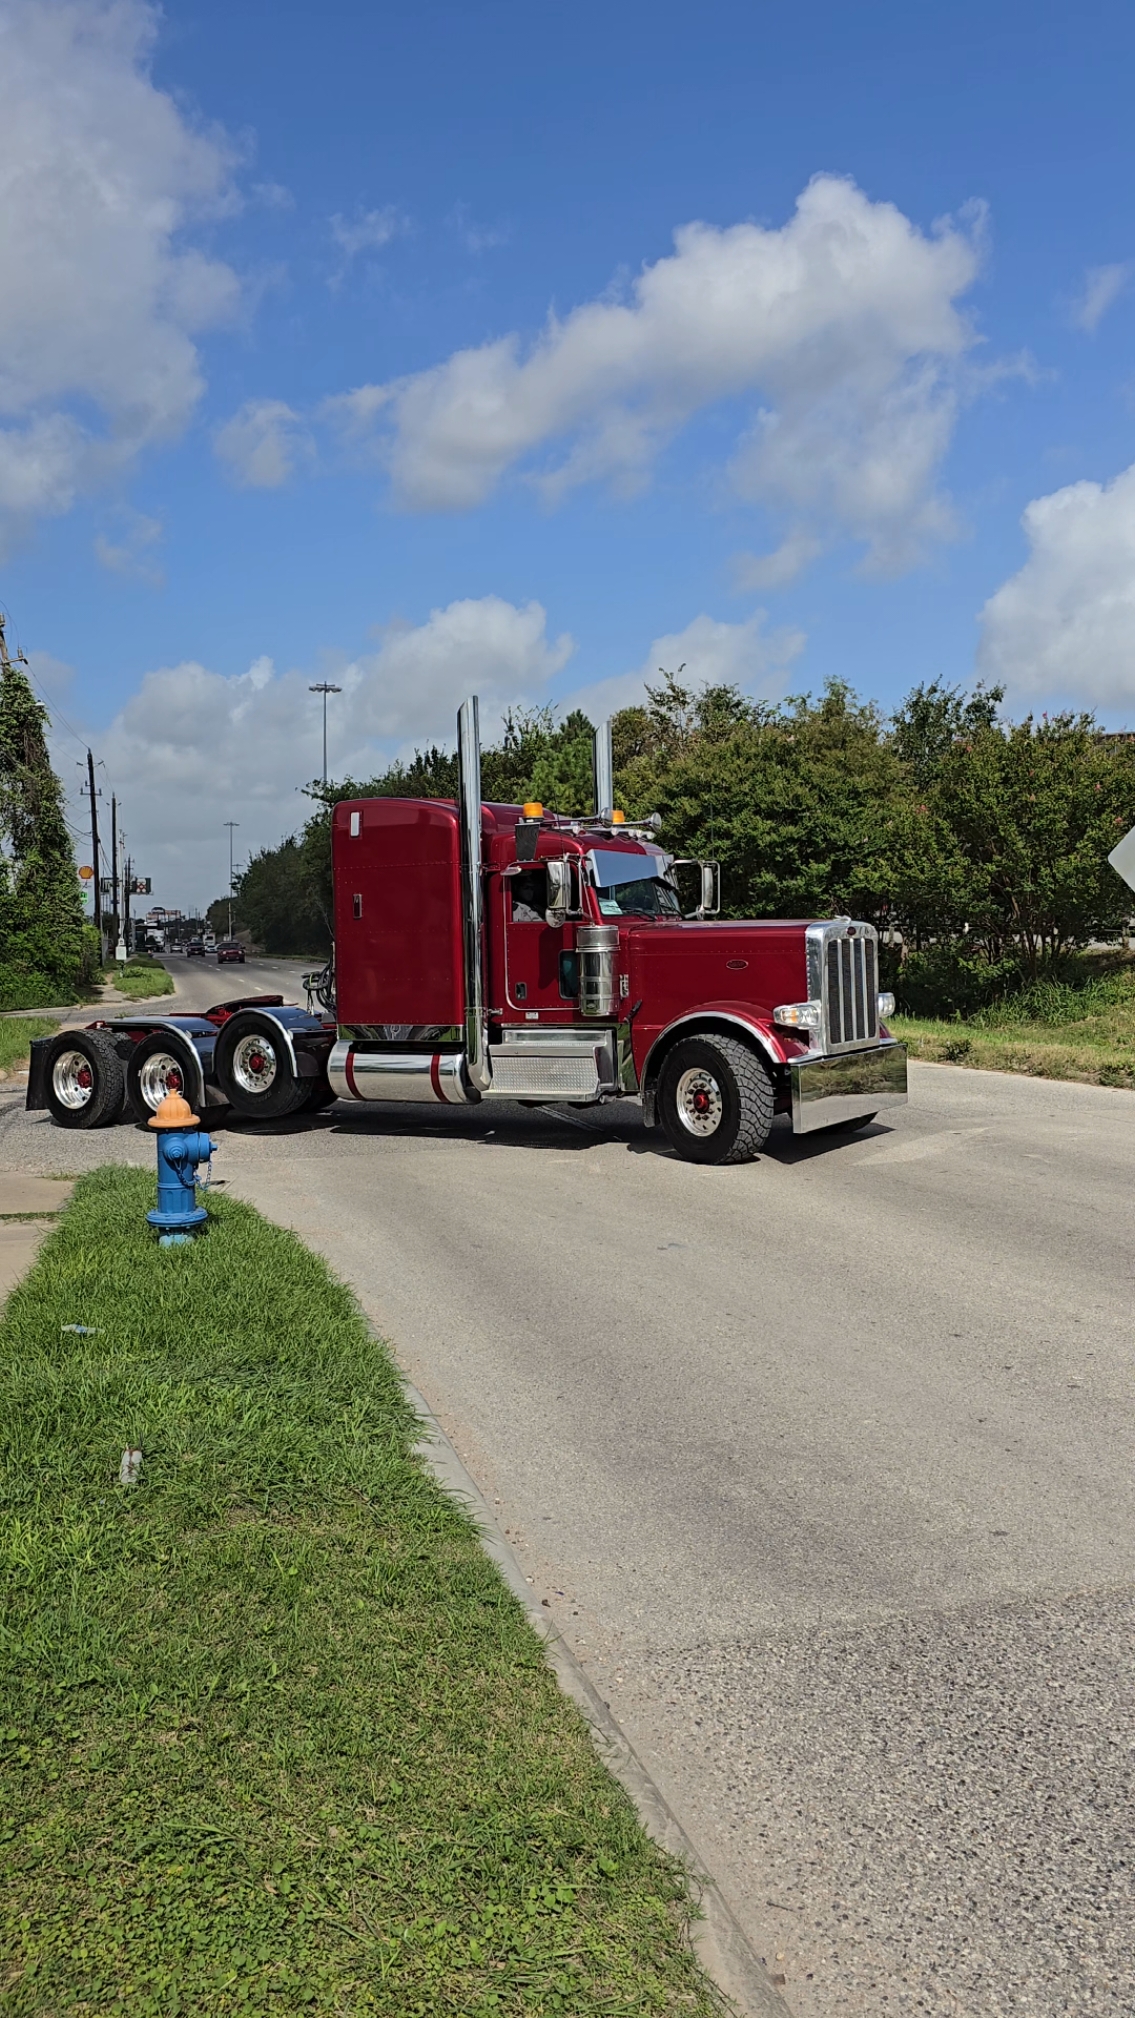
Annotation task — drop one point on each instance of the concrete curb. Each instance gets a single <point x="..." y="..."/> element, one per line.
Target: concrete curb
<point x="719" y="1943"/>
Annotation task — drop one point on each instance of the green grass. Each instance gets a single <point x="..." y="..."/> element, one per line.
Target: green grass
<point x="1054" y="1030"/>
<point x="16" y="1034"/>
<point x="274" y="1733"/>
<point x="141" y="979"/>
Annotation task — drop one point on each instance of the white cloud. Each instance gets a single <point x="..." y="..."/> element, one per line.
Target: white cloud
<point x="367" y="231"/>
<point x="842" y="324"/>
<point x="796" y="552"/>
<point x="131" y="553"/>
<point x="1103" y="286"/>
<point x="477" y="238"/>
<point x="193" y="748"/>
<point x="262" y="444"/>
<point x="1064" y="625"/>
<point x="713" y="654"/>
<point x="100" y="174"/>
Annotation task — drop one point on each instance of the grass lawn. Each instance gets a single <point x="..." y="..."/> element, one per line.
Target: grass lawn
<point x="16" y="1034"/>
<point x="141" y="979"/>
<point x="273" y="1733"/>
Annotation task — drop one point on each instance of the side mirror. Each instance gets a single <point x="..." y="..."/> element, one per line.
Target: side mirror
<point x="559" y="892"/>
<point x="710" y="890"/>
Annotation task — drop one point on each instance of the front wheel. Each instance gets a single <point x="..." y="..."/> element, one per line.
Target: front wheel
<point x="715" y="1100"/>
<point x="85" y="1081"/>
<point x="254" y="1070"/>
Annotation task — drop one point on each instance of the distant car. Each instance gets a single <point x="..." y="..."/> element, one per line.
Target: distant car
<point x="230" y="949"/>
<point x="195" y="949"/>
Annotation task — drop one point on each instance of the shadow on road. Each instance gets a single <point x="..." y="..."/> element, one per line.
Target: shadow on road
<point x="516" y="1127"/>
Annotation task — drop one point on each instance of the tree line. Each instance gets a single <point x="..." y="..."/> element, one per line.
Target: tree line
<point x="976" y="844"/>
<point x="47" y="951"/>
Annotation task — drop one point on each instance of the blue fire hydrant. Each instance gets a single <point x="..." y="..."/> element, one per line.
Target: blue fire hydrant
<point x="180" y="1149"/>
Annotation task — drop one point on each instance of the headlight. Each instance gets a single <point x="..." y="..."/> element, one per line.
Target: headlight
<point x="886" y="1007"/>
<point x="798" y="1015"/>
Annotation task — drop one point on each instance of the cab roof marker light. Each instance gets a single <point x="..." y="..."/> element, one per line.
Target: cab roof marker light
<point x="798" y="1015"/>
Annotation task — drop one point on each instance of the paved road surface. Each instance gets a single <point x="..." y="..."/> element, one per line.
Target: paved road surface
<point x="825" y="1467"/>
<point x="200" y="983"/>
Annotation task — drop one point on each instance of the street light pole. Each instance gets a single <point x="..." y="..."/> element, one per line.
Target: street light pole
<point x="230" y="824"/>
<point x="324" y="687"/>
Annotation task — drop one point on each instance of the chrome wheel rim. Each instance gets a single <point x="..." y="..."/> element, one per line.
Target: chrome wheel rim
<point x="159" y="1075"/>
<point x="698" y="1100"/>
<point x="73" y="1080"/>
<point x="254" y="1065"/>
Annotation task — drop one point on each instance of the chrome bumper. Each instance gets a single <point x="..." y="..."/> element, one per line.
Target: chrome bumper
<point x="847" y="1087"/>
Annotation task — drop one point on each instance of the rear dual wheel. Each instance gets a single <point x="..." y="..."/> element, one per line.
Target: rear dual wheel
<point x="160" y="1064"/>
<point x="255" y="1071"/>
<point x="85" y="1081"/>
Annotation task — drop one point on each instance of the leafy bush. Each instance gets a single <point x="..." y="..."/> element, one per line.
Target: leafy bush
<point x="28" y="990"/>
<point x="952" y="979"/>
<point x="1058" y="1001"/>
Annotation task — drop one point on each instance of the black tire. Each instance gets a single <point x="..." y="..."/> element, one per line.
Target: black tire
<point x="254" y="1071"/>
<point x="157" y="1066"/>
<point x="85" y="1080"/>
<point x="715" y="1100"/>
<point x="322" y="1094"/>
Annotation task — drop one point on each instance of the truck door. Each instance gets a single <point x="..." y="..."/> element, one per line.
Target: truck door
<point x="541" y="966"/>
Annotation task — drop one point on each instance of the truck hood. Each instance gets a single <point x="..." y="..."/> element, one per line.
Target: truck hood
<point x="679" y="965"/>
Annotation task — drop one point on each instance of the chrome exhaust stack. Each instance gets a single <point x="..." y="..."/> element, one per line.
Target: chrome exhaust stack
<point x="604" y="772"/>
<point x="477" y="1062"/>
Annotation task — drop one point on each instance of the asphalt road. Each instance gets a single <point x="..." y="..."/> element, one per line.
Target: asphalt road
<point x="200" y="983"/>
<point x="824" y="1466"/>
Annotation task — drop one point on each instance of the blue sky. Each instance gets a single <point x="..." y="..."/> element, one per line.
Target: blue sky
<point x="256" y="211"/>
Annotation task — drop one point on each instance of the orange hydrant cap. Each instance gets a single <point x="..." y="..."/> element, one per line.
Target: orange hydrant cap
<point x="174" y="1112"/>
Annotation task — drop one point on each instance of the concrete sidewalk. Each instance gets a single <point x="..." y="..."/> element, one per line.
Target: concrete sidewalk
<point x="20" y="1236"/>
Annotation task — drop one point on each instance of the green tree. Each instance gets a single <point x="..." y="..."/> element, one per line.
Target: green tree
<point x="1007" y="846"/>
<point x="282" y="898"/>
<point x="794" y="801"/>
<point x="933" y="718"/>
<point x="45" y="947"/>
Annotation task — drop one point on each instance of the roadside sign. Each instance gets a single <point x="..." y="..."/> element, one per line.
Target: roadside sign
<point x="86" y="872"/>
<point x="1122" y="859"/>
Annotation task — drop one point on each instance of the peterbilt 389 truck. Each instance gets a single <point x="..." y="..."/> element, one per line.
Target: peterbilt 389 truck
<point x="487" y="952"/>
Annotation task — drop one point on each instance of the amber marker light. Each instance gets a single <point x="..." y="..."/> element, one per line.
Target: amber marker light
<point x="532" y="809"/>
<point x="618" y="819"/>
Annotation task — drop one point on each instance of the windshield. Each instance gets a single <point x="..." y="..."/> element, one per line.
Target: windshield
<point x="648" y="898"/>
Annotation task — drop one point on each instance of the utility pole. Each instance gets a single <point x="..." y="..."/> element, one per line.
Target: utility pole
<point x="324" y="687"/>
<point x="116" y="868"/>
<point x="95" y="844"/>
<point x="230" y="824"/>
<point x="127" y="872"/>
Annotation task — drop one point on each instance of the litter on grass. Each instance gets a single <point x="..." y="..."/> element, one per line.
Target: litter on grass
<point x="130" y="1468"/>
<point x="81" y="1330"/>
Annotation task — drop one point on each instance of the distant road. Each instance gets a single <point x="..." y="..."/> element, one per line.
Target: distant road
<point x="200" y="983"/>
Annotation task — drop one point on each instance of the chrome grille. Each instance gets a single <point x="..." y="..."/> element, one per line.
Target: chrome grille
<point x="851" y="989"/>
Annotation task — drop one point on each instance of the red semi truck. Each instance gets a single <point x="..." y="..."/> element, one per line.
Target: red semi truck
<point x="487" y="952"/>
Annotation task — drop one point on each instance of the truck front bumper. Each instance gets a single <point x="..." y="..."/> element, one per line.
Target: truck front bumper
<point x="847" y="1087"/>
